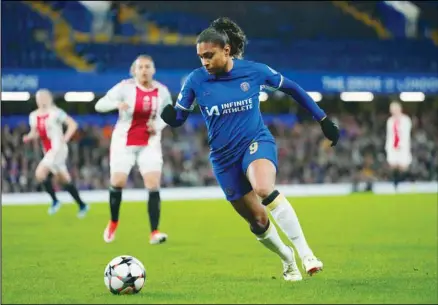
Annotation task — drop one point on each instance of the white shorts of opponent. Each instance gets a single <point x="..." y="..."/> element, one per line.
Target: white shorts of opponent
<point x="123" y="158"/>
<point x="399" y="157"/>
<point x="56" y="159"/>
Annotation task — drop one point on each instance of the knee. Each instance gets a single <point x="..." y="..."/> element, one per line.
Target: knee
<point x="263" y="190"/>
<point x="118" y="181"/>
<point x="259" y="223"/>
<point x="152" y="186"/>
<point x="63" y="178"/>
<point x="40" y="175"/>
<point x="152" y="181"/>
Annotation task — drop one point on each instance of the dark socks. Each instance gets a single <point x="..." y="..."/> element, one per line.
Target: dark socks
<point x="154" y="208"/>
<point x="48" y="186"/>
<point x="369" y="186"/>
<point x="69" y="187"/>
<point x="115" y="200"/>
<point x="397" y="177"/>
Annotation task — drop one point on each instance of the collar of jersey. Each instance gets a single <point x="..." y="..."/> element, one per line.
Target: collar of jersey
<point x="154" y="86"/>
<point x="223" y="75"/>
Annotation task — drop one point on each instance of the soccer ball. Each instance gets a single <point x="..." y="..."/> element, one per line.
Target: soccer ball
<point x="124" y="275"/>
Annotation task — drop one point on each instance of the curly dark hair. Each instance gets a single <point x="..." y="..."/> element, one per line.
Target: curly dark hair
<point x="224" y="31"/>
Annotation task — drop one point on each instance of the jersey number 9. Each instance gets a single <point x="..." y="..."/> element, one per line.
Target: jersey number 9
<point x="253" y="147"/>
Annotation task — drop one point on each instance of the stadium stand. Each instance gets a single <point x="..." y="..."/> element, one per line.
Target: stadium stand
<point x="283" y="42"/>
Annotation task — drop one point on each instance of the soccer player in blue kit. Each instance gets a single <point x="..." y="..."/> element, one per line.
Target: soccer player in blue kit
<point x="243" y="151"/>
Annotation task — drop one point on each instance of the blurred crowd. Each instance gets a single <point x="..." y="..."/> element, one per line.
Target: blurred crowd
<point x="304" y="155"/>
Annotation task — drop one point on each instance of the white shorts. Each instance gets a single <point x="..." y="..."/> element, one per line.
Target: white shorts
<point x="56" y="162"/>
<point x="399" y="157"/>
<point x="123" y="158"/>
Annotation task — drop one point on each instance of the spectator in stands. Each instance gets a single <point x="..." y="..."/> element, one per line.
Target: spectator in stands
<point x="301" y="150"/>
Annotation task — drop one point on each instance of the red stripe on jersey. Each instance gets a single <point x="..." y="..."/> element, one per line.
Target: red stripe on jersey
<point x="396" y="127"/>
<point x="42" y="131"/>
<point x="138" y="134"/>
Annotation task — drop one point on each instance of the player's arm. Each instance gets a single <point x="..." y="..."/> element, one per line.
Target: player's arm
<point x="167" y="100"/>
<point x="388" y="135"/>
<point x="176" y="115"/>
<point x="33" y="133"/>
<point x="111" y="100"/>
<point x="405" y="139"/>
<point x="277" y="81"/>
<point x="72" y="127"/>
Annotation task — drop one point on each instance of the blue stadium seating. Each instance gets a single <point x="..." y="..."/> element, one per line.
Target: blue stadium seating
<point x="75" y="14"/>
<point x="340" y="56"/>
<point x="277" y="36"/>
<point x="19" y="47"/>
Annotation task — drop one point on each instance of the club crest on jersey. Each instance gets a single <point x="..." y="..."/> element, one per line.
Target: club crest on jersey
<point x="244" y="86"/>
<point x="229" y="191"/>
<point x="146" y="104"/>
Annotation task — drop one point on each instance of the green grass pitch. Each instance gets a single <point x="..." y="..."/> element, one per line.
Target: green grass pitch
<point x="376" y="249"/>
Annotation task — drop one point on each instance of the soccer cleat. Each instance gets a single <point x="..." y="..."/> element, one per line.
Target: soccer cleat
<point x="83" y="211"/>
<point x="312" y="265"/>
<point x="56" y="205"/>
<point x="157" y="237"/>
<point x="110" y="231"/>
<point x="291" y="273"/>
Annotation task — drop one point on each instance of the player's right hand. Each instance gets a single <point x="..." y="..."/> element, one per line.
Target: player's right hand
<point x="330" y="130"/>
<point x="26" y="139"/>
<point x="123" y="106"/>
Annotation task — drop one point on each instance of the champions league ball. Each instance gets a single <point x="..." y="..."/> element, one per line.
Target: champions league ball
<point x="124" y="275"/>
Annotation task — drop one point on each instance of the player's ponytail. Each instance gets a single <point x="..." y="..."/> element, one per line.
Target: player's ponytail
<point x="236" y="36"/>
<point x="225" y="31"/>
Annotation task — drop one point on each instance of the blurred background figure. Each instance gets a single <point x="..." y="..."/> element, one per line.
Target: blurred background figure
<point x="398" y="142"/>
<point x="46" y="124"/>
<point x="353" y="67"/>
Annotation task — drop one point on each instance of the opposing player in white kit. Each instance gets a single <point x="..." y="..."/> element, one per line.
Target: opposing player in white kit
<point x="46" y="123"/>
<point x="398" y="142"/>
<point x="136" y="139"/>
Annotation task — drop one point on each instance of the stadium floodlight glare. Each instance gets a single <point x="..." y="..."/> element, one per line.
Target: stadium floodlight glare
<point x="15" y="96"/>
<point x="316" y="96"/>
<point x="263" y="96"/>
<point x="79" y="96"/>
<point x="357" y="96"/>
<point x="412" y="97"/>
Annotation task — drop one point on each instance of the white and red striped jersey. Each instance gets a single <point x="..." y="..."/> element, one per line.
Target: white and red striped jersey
<point x="398" y="133"/>
<point x="49" y="127"/>
<point x="145" y="106"/>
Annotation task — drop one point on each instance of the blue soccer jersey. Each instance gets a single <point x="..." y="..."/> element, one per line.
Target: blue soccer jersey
<point x="230" y="106"/>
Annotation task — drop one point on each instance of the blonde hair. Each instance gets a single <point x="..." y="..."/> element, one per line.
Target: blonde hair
<point x="47" y="91"/>
<point x="396" y="103"/>
<point x="142" y="56"/>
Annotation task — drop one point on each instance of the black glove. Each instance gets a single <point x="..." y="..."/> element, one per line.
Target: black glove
<point x="330" y="130"/>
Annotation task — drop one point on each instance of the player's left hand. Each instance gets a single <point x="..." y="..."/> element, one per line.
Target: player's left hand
<point x="330" y="130"/>
<point x="152" y="131"/>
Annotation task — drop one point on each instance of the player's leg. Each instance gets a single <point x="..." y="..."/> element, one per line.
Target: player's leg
<point x="238" y="191"/>
<point x="59" y="168"/>
<point x="393" y="159"/>
<point x="396" y="175"/>
<point x="259" y="164"/>
<point x="63" y="176"/>
<point x="404" y="164"/>
<point x="121" y="161"/>
<point x="152" y="183"/>
<point x="44" y="176"/>
<point x="150" y="163"/>
<point x="255" y="214"/>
